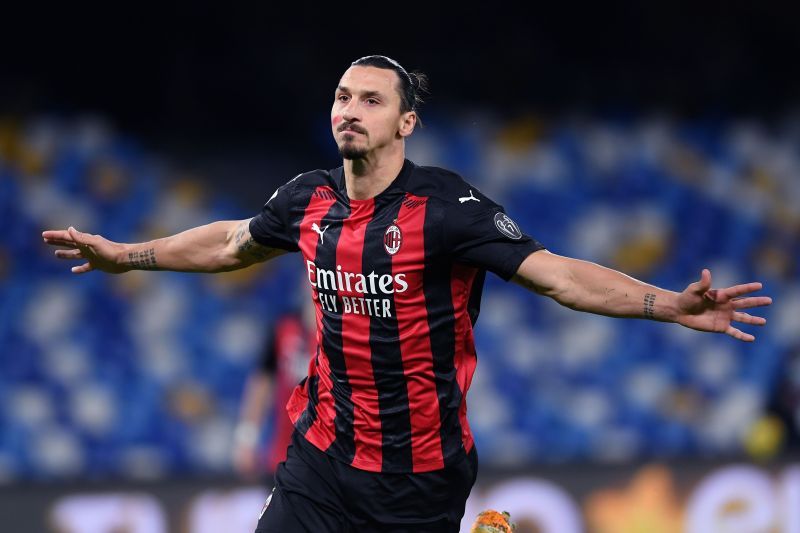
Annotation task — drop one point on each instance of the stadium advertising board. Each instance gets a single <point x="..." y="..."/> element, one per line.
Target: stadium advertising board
<point x="691" y="498"/>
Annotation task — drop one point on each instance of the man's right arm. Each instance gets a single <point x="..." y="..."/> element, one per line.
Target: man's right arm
<point x="216" y="247"/>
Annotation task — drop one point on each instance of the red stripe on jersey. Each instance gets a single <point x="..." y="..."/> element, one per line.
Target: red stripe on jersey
<point x="415" y="342"/>
<point x="368" y="437"/>
<point x="461" y="281"/>
<point x="321" y="433"/>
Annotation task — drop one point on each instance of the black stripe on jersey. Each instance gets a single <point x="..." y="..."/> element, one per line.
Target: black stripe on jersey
<point x="441" y="323"/>
<point x="387" y="359"/>
<point x="309" y="414"/>
<point x="474" y="303"/>
<point x="332" y="339"/>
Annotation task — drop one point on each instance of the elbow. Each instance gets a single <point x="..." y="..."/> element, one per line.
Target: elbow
<point x="565" y="292"/>
<point x="565" y="298"/>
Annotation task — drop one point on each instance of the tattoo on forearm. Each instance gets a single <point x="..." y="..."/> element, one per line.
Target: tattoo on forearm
<point x="649" y="302"/>
<point x="240" y="233"/>
<point x="255" y="250"/>
<point x="143" y="259"/>
<point x="249" y="246"/>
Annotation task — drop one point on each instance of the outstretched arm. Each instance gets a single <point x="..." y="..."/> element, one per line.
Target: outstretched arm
<point x="589" y="287"/>
<point x="216" y="247"/>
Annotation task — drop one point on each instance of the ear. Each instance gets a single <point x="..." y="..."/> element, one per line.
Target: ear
<point x="407" y="122"/>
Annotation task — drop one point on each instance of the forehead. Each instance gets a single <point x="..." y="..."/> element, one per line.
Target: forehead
<point x="372" y="79"/>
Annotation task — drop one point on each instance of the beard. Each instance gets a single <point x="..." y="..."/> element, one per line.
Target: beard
<point x="350" y="151"/>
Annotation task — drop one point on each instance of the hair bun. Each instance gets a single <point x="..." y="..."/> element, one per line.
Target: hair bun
<point x="419" y="82"/>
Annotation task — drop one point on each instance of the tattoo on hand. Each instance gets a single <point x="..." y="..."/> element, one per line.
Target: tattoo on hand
<point x="143" y="259"/>
<point x="649" y="301"/>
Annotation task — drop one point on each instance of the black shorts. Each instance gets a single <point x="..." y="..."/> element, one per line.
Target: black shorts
<point x="316" y="493"/>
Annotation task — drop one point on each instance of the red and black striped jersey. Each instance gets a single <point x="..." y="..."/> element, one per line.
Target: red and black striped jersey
<point x="397" y="281"/>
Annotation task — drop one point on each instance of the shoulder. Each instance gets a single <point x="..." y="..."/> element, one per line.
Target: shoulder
<point x="447" y="187"/>
<point x="310" y="180"/>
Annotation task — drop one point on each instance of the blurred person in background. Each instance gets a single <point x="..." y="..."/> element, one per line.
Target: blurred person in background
<point x="283" y="364"/>
<point x="396" y="254"/>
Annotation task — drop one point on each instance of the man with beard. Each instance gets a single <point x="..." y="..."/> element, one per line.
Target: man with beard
<point x="396" y="255"/>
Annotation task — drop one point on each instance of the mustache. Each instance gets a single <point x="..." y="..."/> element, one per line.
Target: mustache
<point x="352" y="127"/>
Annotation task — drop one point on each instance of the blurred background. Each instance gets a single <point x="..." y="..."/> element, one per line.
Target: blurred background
<point x="657" y="139"/>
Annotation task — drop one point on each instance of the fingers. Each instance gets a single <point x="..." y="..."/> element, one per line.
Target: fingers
<point x="69" y="254"/>
<point x="738" y="290"/>
<point x="57" y="242"/>
<point x="752" y="301"/>
<point x="68" y="237"/>
<point x="738" y="334"/>
<point x="744" y="318"/>
<point x="59" y="234"/>
<point x="82" y="269"/>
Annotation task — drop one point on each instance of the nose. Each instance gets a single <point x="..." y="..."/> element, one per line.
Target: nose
<point x="350" y="111"/>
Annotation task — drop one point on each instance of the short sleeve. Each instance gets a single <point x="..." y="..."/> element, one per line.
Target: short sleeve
<point x="272" y="226"/>
<point x="479" y="233"/>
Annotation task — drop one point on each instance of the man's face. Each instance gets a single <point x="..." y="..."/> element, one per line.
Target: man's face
<point x="366" y="111"/>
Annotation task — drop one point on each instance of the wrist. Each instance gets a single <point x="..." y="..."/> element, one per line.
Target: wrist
<point x="661" y="305"/>
<point x="122" y="257"/>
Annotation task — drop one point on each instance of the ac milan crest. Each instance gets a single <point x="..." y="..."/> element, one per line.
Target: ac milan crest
<point x="392" y="239"/>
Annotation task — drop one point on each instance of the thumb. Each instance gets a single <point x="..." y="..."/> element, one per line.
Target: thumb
<point x="704" y="284"/>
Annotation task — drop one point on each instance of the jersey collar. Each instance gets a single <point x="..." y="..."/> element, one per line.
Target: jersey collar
<point x="397" y="185"/>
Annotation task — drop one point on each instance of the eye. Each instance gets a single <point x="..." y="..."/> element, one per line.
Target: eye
<point x="343" y="98"/>
<point x="372" y="101"/>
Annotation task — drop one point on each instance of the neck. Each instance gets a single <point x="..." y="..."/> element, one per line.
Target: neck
<point x="368" y="177"/>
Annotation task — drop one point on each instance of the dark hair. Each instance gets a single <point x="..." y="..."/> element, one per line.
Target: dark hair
<point x="413" y="86"/>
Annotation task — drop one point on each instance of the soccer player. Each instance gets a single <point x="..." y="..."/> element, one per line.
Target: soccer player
<point x="395" y="254"/>
<point x="283" y="363"/>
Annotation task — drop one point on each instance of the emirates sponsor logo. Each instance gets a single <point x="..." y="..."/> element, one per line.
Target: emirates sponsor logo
<point x="392" y="239"/>
<point x="350" y="282"/>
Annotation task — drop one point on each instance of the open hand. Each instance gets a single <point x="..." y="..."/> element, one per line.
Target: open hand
<point x="98" y="252"/>
<point x="705" y="309"/>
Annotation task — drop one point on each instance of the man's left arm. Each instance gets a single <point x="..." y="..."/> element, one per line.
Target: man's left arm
<point x="592" y="288"/>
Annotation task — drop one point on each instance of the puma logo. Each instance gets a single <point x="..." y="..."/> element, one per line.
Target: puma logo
<point x="320" y="232"/>
<point x="468" y="198"/>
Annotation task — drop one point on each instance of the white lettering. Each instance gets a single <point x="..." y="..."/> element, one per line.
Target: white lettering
<point x="401" y="280"/>
<point x="134" y="512"/>
<point x="339" y="275"/>
<point x="325" y="276"/>
<point x="372" y="275"/>
<point x="386" y="284"/>
<point x="339" y="280"/>
<point x="537" y="501"/>
<point x="710" y="506"/>
<point x="380" y="307"/>
<point x="312" y="268"/>
<point x="788" y="496"/>
<point x="362" y="281"/>
<point x="224" y="510"/>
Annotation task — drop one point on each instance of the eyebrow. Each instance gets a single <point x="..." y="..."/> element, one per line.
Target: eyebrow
<point x="366" y="94"/>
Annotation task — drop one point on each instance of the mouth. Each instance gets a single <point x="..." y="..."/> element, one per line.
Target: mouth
<point x="351" y="129"/>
